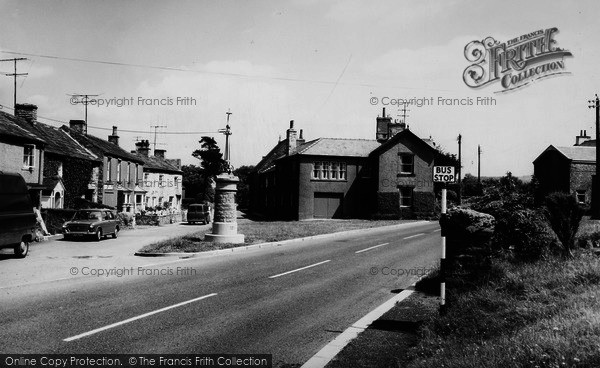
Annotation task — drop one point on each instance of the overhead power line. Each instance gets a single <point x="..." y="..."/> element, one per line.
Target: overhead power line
<point x="103" y="128"/>
<point x="237" y="75"/>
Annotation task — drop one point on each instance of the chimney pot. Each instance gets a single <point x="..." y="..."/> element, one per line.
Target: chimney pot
<point x="383" y="114"/>
<point x="301" y="134"/>
<point x="114" y="138"/>
<point x="78" y="126"/>
<point x="27" y="112"/>
<point x="291" y="124"/>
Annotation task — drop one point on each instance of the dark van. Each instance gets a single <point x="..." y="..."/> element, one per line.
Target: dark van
<point x="198" y="213"/>
<point x="17" y="219"/>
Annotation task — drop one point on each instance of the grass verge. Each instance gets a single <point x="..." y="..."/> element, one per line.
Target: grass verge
<point x="263" y="231"/>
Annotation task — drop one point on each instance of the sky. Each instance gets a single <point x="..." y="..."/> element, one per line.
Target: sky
<point x="331" y="66"/>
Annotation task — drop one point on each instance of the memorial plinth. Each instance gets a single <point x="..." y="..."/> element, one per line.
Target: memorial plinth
<point x="225" y="222"/>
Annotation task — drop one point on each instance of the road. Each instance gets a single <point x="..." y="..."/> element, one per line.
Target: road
<point x="288" y="301"/>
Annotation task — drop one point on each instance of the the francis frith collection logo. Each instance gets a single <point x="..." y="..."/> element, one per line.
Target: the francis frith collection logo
<point x="516" y="62"/>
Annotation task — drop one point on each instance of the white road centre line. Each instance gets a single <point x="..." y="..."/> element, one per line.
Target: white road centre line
<point x="299" y="269"/>
<point x="414" y="236"/>
<point x="92" y="332"/>
<point x="373" y="247"/>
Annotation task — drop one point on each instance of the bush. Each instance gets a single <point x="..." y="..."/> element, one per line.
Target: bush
<point x="54" y="218"/>
<point x="526" y="233"/>
<point x="564" y="214"/>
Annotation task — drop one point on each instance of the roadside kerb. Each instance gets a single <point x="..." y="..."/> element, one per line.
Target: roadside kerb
<point x="284" y="242"/>
<point x="333" y="348"/>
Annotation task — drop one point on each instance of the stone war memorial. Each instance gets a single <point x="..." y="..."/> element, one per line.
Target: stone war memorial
<point x="224" y="228"/>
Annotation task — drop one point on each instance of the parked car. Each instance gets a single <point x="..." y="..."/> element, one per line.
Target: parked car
<point x="17" y="219"/>
<point x="95" y="223"/>
<point x="199" y="213"/>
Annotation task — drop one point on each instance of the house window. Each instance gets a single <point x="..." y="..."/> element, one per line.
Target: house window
<point x="406" y="194"/>
<point x="127" y="198"/>
<point x="28" y="155"/>
<point x="316" y="174"/>
<point x="160" y="181"/>
<point x="325" y="170"/>
<point x="329" y="170"/>
<point x="108" y="170"/>
<point x="406" y="163"/>
<point x="138" y="199"/>
<point x="135" y="175"/>
<point x="119" y="171"/>
<point x="128" y="178"/>
<point x="580" y="195"/>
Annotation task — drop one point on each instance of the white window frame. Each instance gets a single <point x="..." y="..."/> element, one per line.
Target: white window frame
<point x="108" y="169"/>
<point x="406" y="201"/>
<point x="578" y="194"/>
<point x="29" y="157"/>
<point x="118" y="171"/>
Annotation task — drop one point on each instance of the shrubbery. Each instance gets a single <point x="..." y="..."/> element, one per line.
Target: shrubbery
<point x="564" y="214"/>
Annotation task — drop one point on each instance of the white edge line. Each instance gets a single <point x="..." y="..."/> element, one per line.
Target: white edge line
<point x="92" y="332"/>
<point x="327" y="353"/>
<point x="414" y="236"/>
<point x="373" y="247"/>
<point x="299" y="269"/>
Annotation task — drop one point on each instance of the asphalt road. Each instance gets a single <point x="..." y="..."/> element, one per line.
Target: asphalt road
<point x="288" y="301"/>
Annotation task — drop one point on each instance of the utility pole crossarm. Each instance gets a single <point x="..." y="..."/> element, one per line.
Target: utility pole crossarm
<point x="15" y="75"/>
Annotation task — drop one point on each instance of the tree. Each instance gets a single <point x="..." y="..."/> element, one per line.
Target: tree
<point x="212" y="164"/>
<point x="243" y="188"/>
<point x="211" y="158"/>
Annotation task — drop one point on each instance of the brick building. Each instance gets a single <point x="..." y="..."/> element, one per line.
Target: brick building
<point x="566" y="169"/>
<point x="389" y="176"/>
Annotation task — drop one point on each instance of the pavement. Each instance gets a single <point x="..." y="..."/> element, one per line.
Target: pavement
<point x="290" y="301"/>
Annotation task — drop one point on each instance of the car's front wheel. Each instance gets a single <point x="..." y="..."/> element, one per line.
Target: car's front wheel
<point x="98" y="235"/>
<point x="116" y="233"/>
<point x="22" y="249"/>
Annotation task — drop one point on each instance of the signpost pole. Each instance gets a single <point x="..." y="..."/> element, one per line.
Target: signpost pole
<point x="445" y="175"/>
<point x="443" y="260"/>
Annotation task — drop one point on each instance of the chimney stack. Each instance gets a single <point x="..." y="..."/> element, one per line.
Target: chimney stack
<point x="27" y="112"/>
<point x="114" y="138"/>
<point x="292" y="139"/>
<point x="78" y="126"/>
<point x="382" y="129"/>
<point x="159" y="153"/>
<point x="143" y="147"/>
<point x="582" y="137"/>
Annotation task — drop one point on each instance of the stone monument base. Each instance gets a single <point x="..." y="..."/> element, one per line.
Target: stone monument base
<point x="225" y="232"/>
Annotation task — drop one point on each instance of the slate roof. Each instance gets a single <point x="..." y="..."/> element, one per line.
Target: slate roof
<point x="58" y="141"/>
<point x="268" y="162"/>
<point x="100" y="147"/>
<point x="10" y="128"/>
<point x="338" y="147"/>
<point x="333" y="147"/>
<point x="152" y="163"/>
<point x="574" y="153"/>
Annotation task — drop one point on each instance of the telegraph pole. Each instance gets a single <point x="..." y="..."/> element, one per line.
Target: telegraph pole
<point x="15" y="75"/>
<point x="479" y="165"/>
<point x="227" y="132"/>
<point x="459" y="169"/>
<point x="155" y="127"/>
<point x="595" y="103"/>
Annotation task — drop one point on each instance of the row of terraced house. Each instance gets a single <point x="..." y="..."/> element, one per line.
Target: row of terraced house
<point x="64" y="164"/>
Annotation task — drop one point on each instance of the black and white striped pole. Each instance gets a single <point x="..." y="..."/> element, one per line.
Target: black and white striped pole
<point x="443" y="259"/>
<point x="443" y="174"/>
